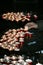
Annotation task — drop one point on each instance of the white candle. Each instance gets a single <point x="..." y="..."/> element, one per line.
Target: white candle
<point x="38" y="64"/>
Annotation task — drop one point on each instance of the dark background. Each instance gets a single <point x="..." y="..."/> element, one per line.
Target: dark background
<point x="21" y="5"/>
<point x="34" y="6"/>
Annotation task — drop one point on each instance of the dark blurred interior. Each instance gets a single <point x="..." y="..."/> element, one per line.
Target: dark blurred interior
<point x="21" y="5"/>
<point x="34" y="6"/>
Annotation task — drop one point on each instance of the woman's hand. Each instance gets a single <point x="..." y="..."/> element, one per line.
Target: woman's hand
<point x="31" y="25"/>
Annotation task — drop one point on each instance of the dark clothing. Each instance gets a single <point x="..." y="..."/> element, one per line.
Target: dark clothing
<point x="29" y="45"/>
<point x="12" y="5"/>
<point x="40" y="25"/>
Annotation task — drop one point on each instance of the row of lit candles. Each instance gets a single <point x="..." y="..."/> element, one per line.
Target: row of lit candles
<point x="13" y="39"/>
<point x="19" y="16"/>
<point x="16" y="60"/>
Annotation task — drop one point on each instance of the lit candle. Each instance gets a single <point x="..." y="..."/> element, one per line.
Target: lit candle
<point x="13" y="62"/>
<point x="22" y="34"/>
<point x="29" y="61"/>
<point x="26" y="28"/>
<point x="30" y="34"/>
<point x="35" y="16"/>
<point x="17" y="44"/>
<point x="4" y="16"/>
<point x="38" y="64"/>
<point x="21" y="40"/>
<point x="1" y="59"/>
<point x="27" y="34"/>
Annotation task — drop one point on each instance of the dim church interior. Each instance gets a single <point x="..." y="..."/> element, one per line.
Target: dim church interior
<point x="21" y="5"/>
